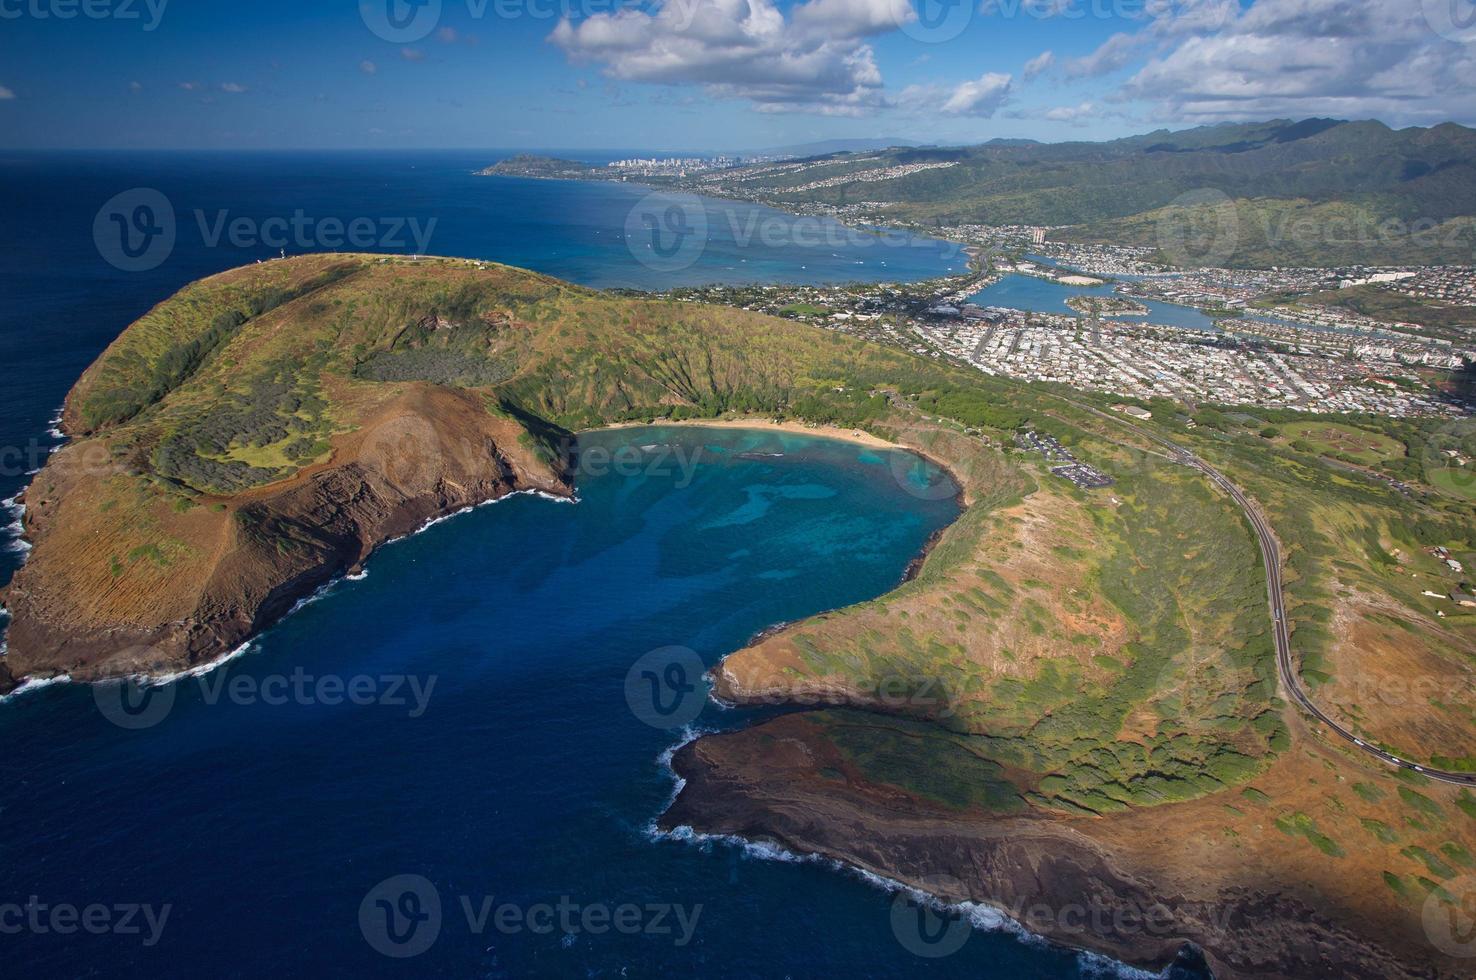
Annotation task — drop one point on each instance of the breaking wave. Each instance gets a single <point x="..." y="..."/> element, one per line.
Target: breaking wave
<point x="984" y="918"/>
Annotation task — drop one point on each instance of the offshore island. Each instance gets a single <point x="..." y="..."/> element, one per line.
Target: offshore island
<point x="1074" y="703"/>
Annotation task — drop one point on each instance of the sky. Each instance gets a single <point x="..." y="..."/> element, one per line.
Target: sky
<point x="710" y="75"/>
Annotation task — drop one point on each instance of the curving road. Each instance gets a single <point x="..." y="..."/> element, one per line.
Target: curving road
<point x="1271" y="557"/>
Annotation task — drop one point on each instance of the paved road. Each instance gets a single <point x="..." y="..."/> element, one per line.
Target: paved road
<point x="1271" y="557"/>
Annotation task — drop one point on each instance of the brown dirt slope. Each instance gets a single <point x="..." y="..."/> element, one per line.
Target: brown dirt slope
<point x="207" y="578"/>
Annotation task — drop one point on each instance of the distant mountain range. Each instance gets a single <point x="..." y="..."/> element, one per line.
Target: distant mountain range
<point x="824" y="147"/>
<point x="1315" y="192"/>
<point x="1319" y="192"/>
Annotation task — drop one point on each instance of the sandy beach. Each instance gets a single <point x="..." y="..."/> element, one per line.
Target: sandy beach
<point x="798" y="428"/>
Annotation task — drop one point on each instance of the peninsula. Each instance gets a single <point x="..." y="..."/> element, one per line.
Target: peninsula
<point x="1078" y="702"/>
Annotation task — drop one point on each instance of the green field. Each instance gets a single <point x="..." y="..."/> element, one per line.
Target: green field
<point x="1458" y="482"/>
<point x="1344" y="441"/>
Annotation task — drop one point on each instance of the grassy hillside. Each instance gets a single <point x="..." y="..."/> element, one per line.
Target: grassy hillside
<point x="244" y="378"/>
<point x="1316" y="192"/>
<point x="1098" y="658"/>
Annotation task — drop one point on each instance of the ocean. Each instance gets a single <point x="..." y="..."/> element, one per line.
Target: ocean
<point x="454" y="756"/>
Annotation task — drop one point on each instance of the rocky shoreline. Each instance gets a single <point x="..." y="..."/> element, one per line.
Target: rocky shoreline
<point x="766" y="784"/>
<point x="430" y="454"/>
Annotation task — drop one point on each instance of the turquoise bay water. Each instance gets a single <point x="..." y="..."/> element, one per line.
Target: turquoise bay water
<point x="526" y="776"/>
<point x="1036" y="295"/>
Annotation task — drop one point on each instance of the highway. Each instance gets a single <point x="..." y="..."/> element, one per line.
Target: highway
<point x="1271" y="557"/>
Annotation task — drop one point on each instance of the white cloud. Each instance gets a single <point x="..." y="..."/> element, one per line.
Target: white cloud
<point x="1038" y="9"/>
<point x="1114" y="53"/>
<point x="852" y="18"/>
<point x="1038" y="65"/>
<point x="368" y="67"/>
<point x="235" y="88"/>
<point x="1347" y="58"/>
<point x="814" y="61"/>
<point x="446" y="35"/>
<point x="412" y="54"/>
<point x="135" y="87"/>
<point x="189" y="86"/>
<point x="6" y="94"/>
<point x="1077" y="114"/>
<point x="981" y="97"/>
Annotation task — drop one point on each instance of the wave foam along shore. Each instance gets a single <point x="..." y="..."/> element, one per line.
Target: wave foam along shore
<point x="15" y="530"/>
<point x="32" y="685"/>
<point x="160" y="680"/>
<point x="982" y="917"/>
<point x="53" y="428"/>
<point x="432" y="522"/>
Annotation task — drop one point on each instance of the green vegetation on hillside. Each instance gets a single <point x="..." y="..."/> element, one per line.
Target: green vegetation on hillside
<point x="1316" y="192"/>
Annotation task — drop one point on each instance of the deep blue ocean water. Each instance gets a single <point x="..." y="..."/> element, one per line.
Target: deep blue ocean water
<point x="498" y="750"/>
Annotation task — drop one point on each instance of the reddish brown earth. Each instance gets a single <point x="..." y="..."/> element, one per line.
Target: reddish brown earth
<point x="1141" y="886"/>
<point x="240" y="564"/>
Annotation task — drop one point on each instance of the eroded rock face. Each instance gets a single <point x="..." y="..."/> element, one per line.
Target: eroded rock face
<point x="428" y="453"/>
<point x="778" y="782"/>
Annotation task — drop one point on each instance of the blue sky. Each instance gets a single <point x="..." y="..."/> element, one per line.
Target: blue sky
<point x="710" y="74"/>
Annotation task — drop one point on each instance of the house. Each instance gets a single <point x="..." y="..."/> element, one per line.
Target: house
<point x="1454" y="565"/>
<point x="1133" y="411"/>
<point x="1462" y="599"/>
